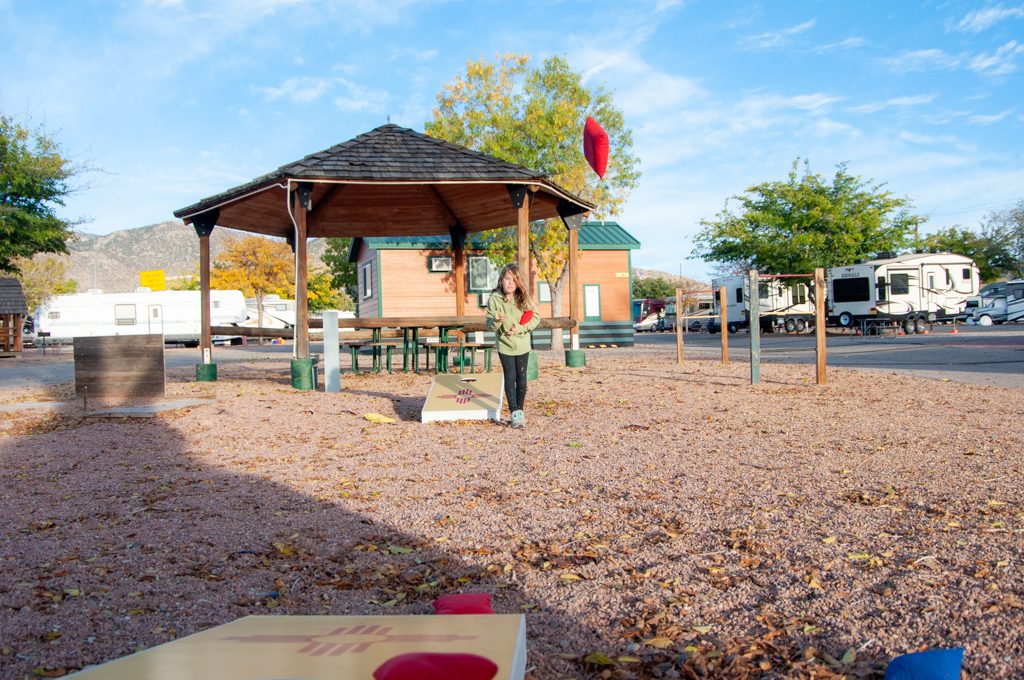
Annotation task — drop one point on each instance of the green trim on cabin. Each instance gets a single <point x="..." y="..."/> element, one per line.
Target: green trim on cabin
<point x="380" y="292"/>
<point x="591" y="317"/>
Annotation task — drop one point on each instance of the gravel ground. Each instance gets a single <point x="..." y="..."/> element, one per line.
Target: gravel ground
<point x="652" y="520"/>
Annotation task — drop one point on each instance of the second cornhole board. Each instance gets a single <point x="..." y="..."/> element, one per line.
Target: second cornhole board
<point x="464" y="397"/>
<point x="321" y="647"/>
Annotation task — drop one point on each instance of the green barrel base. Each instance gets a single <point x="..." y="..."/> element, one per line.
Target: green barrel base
<point x="575" y="358"/>
<point x="532" y="371"/>
<point x="304" y="374"/>
<point x="206" y="372"/>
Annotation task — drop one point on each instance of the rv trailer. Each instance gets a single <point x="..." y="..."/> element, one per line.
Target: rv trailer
<point x="174" y="313"/>
<point x="782" y="304"/>
<point x="1001" y="302"/>
<point x="907" y="290"/>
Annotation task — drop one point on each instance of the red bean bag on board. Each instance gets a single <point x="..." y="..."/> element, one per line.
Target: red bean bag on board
<point x="436" y="666"/>
<point x="464" y="603"/>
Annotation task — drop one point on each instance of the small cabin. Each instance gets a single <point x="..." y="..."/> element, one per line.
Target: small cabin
<point x="13" y="312"/>
<point x="413" y="276"/>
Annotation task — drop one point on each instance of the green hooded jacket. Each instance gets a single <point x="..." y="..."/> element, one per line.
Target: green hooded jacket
<point x="519" y="342"/>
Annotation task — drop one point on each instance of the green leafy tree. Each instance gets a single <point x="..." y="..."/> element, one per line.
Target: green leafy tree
<point x="185" y="282"/>
<point x="43" y="277"/>
<point x="321" y="294"/>
<point x="990" y="254"/>
<point x="255" y="265"/>
<point x="806" y="222"/>
<point x="534" y="116"/>
<point x="34" y="179"/>
<point x="343" y="272"/>
<point x="656" y="287"/>
<point x="1007" y="227"/>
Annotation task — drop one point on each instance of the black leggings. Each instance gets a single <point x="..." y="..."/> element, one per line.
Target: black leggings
<point x="514" y="368"/>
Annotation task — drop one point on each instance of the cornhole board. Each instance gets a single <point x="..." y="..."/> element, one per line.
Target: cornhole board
<point x="475" y="396"/>
<point x="321" y="647"/>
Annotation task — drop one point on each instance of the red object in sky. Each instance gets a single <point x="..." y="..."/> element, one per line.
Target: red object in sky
<point x="527" y="315"/>
<point x="595" y="146"/>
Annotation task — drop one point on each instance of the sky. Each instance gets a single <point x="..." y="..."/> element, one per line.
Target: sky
<point x="167" y="102"/>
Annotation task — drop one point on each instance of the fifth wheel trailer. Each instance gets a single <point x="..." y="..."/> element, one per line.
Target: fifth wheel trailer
<point x="782" y="304"/>
<point x="909" y="290"/>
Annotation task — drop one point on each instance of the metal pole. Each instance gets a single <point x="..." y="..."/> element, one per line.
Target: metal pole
<point x="680" y="320"/>
<point x="755" y="328"/>
<point x="819" y="322"/>
<point x="332" y="358"/>
<point x="723" y="318"/>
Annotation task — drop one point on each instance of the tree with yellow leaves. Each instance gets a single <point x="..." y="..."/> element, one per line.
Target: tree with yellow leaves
<point x="255" y="265"/>
<point x="535" y="117"/>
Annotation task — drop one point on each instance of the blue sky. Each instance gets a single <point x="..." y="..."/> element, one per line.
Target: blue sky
<point x="176" y="100"/>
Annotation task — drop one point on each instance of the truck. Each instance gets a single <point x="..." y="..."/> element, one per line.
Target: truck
<point x="647" y="312"/>
<point x="1001" y="302"/>
<point x="173" y="313"/>
<point x="783" y="304"/>
<point x="910" y="291"/>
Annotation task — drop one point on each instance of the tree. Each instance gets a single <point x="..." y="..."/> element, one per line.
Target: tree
<point x="43" y="277"/>
<point x="185" y="282"/>
<point x="322" y="294"/>
<point x="656" y="287"/>
<point x="255" y="265"/>
<point x="34" y="179"/>
<point x="535" y="117"/>
<point x="1007" y="227"/>
<point x="990" y="254"/>
<point x="343" y="272"/>
<point x="806" y="222"/>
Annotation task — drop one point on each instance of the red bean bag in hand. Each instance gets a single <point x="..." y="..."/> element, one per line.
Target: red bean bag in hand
<point x="436" y="666"/>
<point x="464" y="603"/>
<point x="527" y="315"/>
<point x="595" y="146"/>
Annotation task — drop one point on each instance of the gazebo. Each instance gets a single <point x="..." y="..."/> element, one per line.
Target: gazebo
<point x="390" y="181"/>
<point x="12" y="315"/>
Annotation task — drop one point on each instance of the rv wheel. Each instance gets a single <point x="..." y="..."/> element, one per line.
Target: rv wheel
<point x="801" y="325"/>
<point x="920" y="326"/>
<point x="790" y="325"/>
<point x="908" y="326"/>
<point x="846" y="319"/>
<point x="732" y="328"/>
<point x="985" y="320"/>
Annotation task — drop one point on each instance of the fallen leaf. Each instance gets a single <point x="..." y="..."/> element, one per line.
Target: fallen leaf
<point x="659" y="642"/>
<point x="598" y="659"/>
<point x="378" y="418"/>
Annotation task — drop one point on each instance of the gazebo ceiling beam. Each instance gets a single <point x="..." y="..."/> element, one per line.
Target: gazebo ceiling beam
<point x="444" y="211"/>
<point x="333" y="190"/>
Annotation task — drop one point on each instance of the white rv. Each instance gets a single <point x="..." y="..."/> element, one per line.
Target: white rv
<point x="910" y="290"/>
<point x="1001" y="302"/>
<point x="782" y="304"/>
<point x="277" y="312"/>
<point x="174" y="313"/>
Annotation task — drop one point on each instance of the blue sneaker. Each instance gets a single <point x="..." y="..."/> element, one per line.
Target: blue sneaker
<point x="518" y="419"/>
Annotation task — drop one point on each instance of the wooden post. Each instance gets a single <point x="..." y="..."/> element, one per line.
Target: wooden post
<point x="203" y="225"/>
<point x="819" y="322"/>
<point x="18" y="323"/>
<point x="303" y="205"/>
<point x="458" y="235"/>
<point x="680" y="322"/>
<point x="574" y="288"/>
<point x="723" y="318"/>
<point x="755" y="328"/>
<point x="524" y="243"/>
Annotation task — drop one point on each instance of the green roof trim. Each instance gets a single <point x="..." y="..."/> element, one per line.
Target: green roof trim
<point x="593" y="236"/>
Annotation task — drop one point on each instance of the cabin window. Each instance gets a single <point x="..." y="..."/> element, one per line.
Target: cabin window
<point x="899" y="284"/>
<point x="799" y="293"/>
<point x="124" y="315"/>
<point x="367" y="286"/>
<point x="851" y="290"/>
<point x="216" y="304"/>
<point x="967" y="274"/>
<point x="739" y="295"/>
<point x="543" y="291"/>
<point x="880" y="287"/>
<point x="482" y="275"/>
<point x="439" y="263"/>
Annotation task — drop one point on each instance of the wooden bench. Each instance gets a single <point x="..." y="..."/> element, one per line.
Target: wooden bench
<point x="120" y="367"/>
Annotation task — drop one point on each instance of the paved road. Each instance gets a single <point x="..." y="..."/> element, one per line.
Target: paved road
<point x="986" y="356"/>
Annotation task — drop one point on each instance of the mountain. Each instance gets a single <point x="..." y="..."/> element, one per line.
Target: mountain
<point x="684" y="282"/>
<point x="113" y="262"/>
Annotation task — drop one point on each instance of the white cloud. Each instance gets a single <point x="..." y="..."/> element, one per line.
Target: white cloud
<point x="1000" y="63"/>
<point x="301" y="90"/>
<point x="988" y="120"/>
<point x="930" y="140"/>
<point x="845" y="44"/>
<point x="411" y="54"/>
<point x="775" y="39"/>
<point x="359" y="98"/>
<point x="978" y="20"/>
<point x="896" y="102"/>
<point x="922" y="60"/>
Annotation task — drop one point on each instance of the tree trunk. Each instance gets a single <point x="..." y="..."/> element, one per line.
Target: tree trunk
<point x="557" y="289"/>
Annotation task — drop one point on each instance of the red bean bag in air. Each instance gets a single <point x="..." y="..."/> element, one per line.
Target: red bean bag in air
<point x="436" y="666"/>
<point x="464" y="603"/>
<point x="527" y="315"/>
<point x="595" y="146"/>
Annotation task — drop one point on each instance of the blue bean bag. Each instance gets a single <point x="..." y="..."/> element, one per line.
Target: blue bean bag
<point x="934" y="664"/>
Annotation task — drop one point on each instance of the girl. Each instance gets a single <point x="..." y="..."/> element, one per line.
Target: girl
<point x="512" y="316"/>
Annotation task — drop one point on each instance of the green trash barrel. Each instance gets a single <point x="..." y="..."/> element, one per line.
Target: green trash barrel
<point x="575" y="358"/>
<point x="206" y="372"/>
<point x="532" y="373"/>
<point x="304" y="374"/>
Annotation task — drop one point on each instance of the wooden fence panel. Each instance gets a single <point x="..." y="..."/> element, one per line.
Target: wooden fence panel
<point x="122" y="366"/>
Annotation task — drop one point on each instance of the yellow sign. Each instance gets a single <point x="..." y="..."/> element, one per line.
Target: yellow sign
<point x="153" y="279"/>
<point x="322" y="647"/>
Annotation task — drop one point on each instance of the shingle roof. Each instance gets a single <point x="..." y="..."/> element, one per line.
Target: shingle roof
<point x="12" y="298"/>
<point x="592" y="236"/>
<point x="387" y="153"/>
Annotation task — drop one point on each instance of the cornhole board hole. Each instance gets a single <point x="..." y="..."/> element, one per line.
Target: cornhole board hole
<point x="322" y="647"/>
<point x="476" y="396"/>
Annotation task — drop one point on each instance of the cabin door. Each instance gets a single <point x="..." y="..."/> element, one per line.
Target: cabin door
<point x="156" y="319"/>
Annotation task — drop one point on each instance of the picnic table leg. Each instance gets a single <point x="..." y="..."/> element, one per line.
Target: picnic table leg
<point x="390" y="350"/>
<point x="406" y="359"/>
<point x="355" y="358"/>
